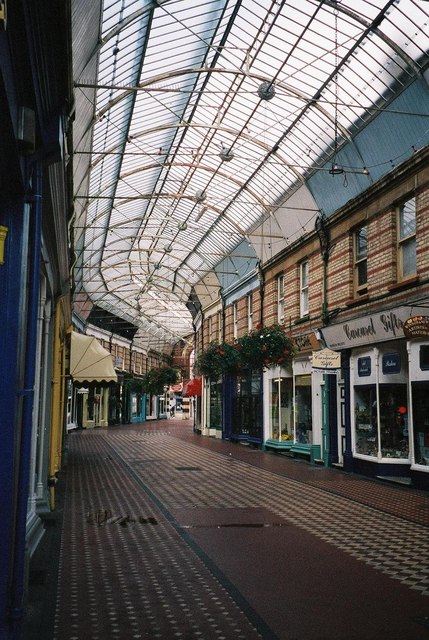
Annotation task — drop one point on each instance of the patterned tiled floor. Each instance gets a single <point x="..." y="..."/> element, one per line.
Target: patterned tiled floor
<point x="152" y="512"/>
<point x="405" y="502"/>
<point x="122" y="564"/>
<point x="391" y="544"/>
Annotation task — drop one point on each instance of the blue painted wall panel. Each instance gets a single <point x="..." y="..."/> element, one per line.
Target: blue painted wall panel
<point x="11" y="216"/>
<point x="231" y="270"/>
<point x="383" y="144"/>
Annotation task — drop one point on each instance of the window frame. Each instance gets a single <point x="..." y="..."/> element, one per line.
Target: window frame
<point x="250" y="311"/>
<point x="220" y="326"/>
<point x="358" y="261"/>
<point x="235" y="320"/>
<point x="281" y="298"/>
<point x="404" y="241"/>
<point x="304" y="269"/>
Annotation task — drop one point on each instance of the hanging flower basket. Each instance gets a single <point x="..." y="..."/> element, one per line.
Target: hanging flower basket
<point x="136" y="385"/>
<point x="219" y="358"/>
<point x="265" y="347"/>
<point x="157" y="379"/>
<point x="262" y="348"/>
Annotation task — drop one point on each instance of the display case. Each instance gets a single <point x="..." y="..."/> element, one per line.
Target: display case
<point x="365" y="414"/>
<point x="303" y="410"/>
<point x="393" y="420"/>
<point x="247" y="406"/>
<point x="420" y="395"/>
<point x="281" y="417"/>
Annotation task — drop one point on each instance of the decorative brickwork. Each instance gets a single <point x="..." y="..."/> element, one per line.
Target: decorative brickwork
<point x="378" y="212"/>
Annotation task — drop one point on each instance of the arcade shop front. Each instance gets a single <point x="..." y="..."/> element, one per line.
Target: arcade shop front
<point x="386" y="375"/>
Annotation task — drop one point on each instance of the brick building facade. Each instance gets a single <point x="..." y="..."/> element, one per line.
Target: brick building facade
<point x="375" y="266"/>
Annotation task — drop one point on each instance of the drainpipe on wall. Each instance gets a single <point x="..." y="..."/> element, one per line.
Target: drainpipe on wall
<point x="261" y="278"/>
<point x="131" y="356"/>
<point x="323" y="235"/>
<point x="324" y="240"/>
<point x="27" y="393"/>
<point x="222" y="312"/>
<point x="347" y="454"/>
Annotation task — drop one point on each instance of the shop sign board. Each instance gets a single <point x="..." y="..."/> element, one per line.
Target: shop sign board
<point x="305" y="343"/>
<point x="326" y="360"/>
<point x="370" y="329"/>
<point x="391" y="363"/>
<point x="417" y="327"/>
<point x="364" y="366"/>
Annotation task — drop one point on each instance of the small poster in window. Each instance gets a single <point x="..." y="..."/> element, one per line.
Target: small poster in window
<point x="364" y="366"/>
<point x="391" y="363"/>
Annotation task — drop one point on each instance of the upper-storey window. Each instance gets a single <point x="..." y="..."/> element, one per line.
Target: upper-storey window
<point x="235" y="320"/>
<point x="250" y="312"/>
<point x="220" y="326"/>
<point x="303" y="297"/>
<point x="407" y="239"/>
<point x="360" y="260"/>
<point x="280" y="299"/>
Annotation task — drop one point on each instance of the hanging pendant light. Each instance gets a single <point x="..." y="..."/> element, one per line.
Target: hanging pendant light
<point x="226" y="154"/>
<point x="335" y="169"/>
<point x="266" y="90"/>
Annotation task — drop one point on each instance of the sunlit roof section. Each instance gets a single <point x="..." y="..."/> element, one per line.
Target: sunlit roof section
<point x="209" y="116"/>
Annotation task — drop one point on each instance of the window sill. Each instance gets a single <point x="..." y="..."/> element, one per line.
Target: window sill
<point x="355" y="302"/>
<point x="405" y="284"/>
<point x="302" y="320"/>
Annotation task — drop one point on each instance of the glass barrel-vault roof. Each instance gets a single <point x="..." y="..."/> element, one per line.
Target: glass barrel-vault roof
<point x="207" y="116"/>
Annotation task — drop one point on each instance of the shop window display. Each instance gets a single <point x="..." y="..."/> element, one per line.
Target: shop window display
<point x="246" y="407"/>
<point x="134" y="405"/>
<point x="392" y="420"/>
<point x="281" y="409"/>
<point x="424" y="357"/>
<point x="366" y="420"/>
<point x="420" y="394"/>
<point x="215" y="407"/>
<point x="303" y="413"/>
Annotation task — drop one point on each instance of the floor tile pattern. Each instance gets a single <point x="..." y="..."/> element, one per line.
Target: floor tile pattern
<point x="390" y="544"/>
<point x="125" y="562"/>
<point x="143" y="502"/>
<point x="406" y="502"/>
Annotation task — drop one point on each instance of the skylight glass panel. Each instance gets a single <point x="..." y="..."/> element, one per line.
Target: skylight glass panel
<point x="155" y="149"/>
